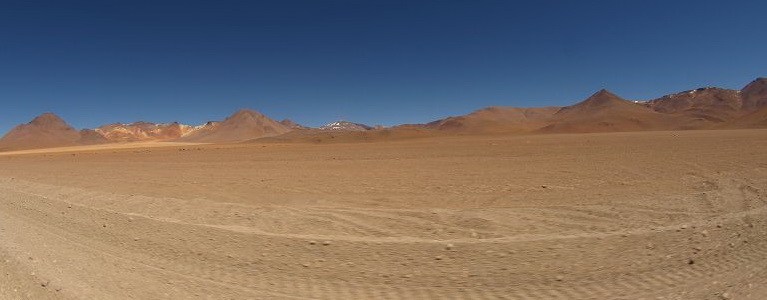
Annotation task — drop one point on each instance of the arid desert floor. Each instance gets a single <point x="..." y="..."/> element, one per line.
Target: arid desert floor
<point x="644" y="215"/>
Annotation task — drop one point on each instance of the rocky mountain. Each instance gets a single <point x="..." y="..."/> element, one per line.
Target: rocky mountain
<point x="44" y="131"/>
<point x="702" y="108"/>
<point x="755" y="94"/>
<point x="345" y="126"/>
<point x="290" y="124"/>
<point x="606" y="112"/>
<point x="242" y="126"/>
<point x="144" y="131"/>
<point x="92" y="137"/>
<point x="711" y="104"/>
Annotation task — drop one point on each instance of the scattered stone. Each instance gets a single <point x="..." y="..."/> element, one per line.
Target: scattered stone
<point x="725" y="296"/>
<point x="684" y="226"/>
<point x="704" y="233"/>
<point x="45" y="284"/>
<point x="560" y="278"/>
<point x="439" y="257"/>
<point x="690" y="261"/>
<point x="449" y="247"/>
<point x="312" y="242"/>
<point x="326" y="243"/>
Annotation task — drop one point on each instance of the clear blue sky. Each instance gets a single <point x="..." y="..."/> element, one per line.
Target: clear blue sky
<point x="376" y="62"/>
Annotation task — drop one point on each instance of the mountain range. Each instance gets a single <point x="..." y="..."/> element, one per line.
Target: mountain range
<point x="702" y="108"/>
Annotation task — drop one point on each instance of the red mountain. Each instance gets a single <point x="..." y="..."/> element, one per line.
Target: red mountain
<point x="242" y="126"/>
<point x="606" y="112"/>
<point x="711" y="104"/>
<point x="755" y="94"/>
<point x="45" y="131"/>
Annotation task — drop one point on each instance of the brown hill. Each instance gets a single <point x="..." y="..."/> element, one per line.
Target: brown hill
<point x="319" y="136"/>
<point x="497" y="119"/>
<point x="755" y="119"/>
<point x="242" y="126"/>
<point x="606" y="112"/>
<point x="714" y="105"/>
<point x="755" y="94"/>
<point x="46" y="130"/>
<point x="290" y="124"/>
<point x="91" y="137"/>
<point x="144" y="131"/>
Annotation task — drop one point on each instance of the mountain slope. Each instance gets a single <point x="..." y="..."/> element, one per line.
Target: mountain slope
<point x="755" y="94"/>
<point x="496" y="119"/>
<point x="91" y="137"/>
<point x="242" y="126"/>
<point x="714" y="105"/>
<point x="345" y="126"/>
<point x="606" y="112"/>
<point x="293" y="125"/>
<point x="46" y="130"/>
<point x="755" y="119"/>
<point x="144" y="131"/>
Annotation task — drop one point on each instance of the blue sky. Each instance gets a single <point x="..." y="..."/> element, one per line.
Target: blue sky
<point x="375" y="62"/>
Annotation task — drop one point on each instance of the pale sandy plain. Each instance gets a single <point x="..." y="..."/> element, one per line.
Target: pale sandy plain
<point x="645" y="215"/>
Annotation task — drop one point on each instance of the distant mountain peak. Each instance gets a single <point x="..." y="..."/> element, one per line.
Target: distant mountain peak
<point x="600" y="98"/>
<point x="46" y="130"/>
<point x="245" y="124"/>
<point x="345" y="126"/>
<point x="604" y="94"/>
<point x="289" y="123"/>
<point x="755" y="94"/>
<point x="48" y="119"/>
<point x="246" y="114"/>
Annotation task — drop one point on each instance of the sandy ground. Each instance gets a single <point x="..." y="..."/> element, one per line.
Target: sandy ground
<point x="649" y="215"/>
<point x="98" y="147"/>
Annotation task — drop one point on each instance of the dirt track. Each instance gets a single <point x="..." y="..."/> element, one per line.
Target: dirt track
<point x="677" y="215"/>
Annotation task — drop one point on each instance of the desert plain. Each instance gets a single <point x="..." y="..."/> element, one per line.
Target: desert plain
<point x="627" y="215"/>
